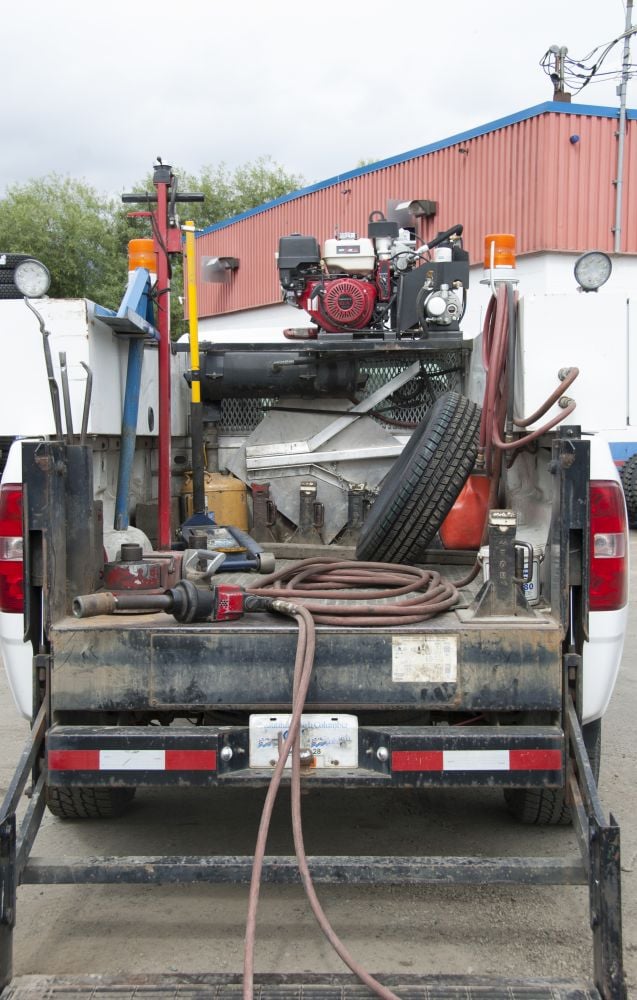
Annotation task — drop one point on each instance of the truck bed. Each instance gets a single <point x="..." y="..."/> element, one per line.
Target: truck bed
<point x="454" y="661"/>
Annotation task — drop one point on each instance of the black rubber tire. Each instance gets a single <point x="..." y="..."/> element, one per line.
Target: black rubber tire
<point x="8" y="262"/>
<point x="88" y="803"/>
<point x="629" y="483"/>
<point x="11" y="259"/>
<point x="423" y="484"/>
<point x="9" y="291"/>
<point x="547" y="806"/>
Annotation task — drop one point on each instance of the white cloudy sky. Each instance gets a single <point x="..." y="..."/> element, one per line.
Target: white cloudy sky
<point x="97" y="89"/>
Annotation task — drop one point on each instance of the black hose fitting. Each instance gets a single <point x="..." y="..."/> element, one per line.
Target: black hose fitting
<point x="252" y="602"/>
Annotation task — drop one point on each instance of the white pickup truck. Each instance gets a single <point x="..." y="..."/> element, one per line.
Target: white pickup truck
<point x="504" y="683"/>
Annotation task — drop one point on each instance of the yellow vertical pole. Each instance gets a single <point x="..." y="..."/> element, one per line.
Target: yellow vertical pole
<point x="193" y="318"/>
<point x="196" y="413"/>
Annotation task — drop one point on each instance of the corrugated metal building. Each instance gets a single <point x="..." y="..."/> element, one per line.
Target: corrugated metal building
<point x="546" y="174"/>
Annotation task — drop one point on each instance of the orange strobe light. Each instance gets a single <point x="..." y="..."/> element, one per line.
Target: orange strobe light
<point x="142" y="254"/>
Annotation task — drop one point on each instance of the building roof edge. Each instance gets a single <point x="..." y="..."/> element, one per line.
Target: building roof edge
<point x="558" y="107"/>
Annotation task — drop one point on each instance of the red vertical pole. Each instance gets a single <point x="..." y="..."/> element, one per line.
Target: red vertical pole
<point x="163" y="325"/>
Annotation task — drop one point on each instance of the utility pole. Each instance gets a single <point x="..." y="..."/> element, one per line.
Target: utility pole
<point x="560" y="93"/>
<point x="621" y="132"/>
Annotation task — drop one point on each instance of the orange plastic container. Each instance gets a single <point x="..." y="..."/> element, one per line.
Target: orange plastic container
<point x="463" y="526"/>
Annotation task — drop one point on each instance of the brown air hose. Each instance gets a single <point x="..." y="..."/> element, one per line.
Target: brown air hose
<point x="312" y="581"/>
<point x="495" y="350"/>
<point x="309" y="583"/>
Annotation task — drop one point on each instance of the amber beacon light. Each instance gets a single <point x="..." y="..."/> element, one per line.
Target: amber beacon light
<point x="141" y="253"/>
<point x="499" y="258"/>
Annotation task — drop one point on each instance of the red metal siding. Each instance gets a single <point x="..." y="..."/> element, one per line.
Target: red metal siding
<point x="527" y="178"/>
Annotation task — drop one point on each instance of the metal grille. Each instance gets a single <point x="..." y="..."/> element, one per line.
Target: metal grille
<point x="441" y="371"/>
<point x="240" y="416"/>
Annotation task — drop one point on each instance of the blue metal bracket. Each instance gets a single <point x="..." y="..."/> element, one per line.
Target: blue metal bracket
<point x="134" y="318"/>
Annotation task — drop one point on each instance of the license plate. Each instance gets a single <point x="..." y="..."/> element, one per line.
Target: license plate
<point x="331" y="739"/>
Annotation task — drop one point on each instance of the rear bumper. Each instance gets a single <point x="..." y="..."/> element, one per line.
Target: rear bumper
<point x="465" y="756"/>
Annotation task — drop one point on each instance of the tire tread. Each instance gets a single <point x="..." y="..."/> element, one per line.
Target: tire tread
<point x="629" y="484"/>
<point x="423" y="484"/>
<point x="88" y="803"/>
<point x="547" y="806"/>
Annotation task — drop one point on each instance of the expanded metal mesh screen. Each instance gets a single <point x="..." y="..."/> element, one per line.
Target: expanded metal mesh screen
<point x="440" y="371"/>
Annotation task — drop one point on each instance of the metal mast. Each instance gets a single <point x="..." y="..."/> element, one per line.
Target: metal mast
<point x="621" y="133"/>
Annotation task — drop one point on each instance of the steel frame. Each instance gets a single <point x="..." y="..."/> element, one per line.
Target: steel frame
<point x="598" y="865"/>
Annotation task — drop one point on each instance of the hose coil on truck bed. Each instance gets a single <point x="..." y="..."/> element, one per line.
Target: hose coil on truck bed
<point x="423" y="484"/>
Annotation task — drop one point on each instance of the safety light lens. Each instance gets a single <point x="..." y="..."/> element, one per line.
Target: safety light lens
<point x="11" y="566"/>
<point x="141" y="253"/>
<point x="592" y="269"/>
<point x="609" y="556"/>
<point x="499" y="250"/>
<point x="32" y="279"/>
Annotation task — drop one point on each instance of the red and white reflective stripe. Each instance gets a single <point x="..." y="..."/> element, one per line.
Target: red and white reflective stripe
<point x="132" y="760"/>
<point x="476" y="760"/>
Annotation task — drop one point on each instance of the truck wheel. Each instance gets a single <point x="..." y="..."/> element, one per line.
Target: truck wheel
<point x="629" y="483"/>
<point x="423" y="483"/>
<point x="546" y="806"/>
<point x="88" y="803"/>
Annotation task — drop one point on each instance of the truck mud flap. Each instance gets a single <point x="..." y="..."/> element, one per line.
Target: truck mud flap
<point x="597" y="864"/>
<point x="281" y="987"/>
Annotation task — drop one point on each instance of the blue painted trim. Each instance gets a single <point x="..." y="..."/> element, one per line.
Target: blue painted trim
<point x="103" y="311"/>
<point x="622" y="450"/>
<point x="558" y="107"/>
<point x="136" y="299"/>
<point x="135" y="295"/>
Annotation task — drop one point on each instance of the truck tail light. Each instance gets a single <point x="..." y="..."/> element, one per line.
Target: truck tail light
<point x="608" y="547"/>
<point x="11" y="568"/>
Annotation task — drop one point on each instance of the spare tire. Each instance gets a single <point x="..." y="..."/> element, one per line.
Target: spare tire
<point x="423" y="484"/>
<point x="8" y="263"/>
<point x="629" y="483"/>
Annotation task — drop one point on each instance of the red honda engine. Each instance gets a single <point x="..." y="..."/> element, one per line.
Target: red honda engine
<point x="376" y="285"/>
<point x="338" y="304"/>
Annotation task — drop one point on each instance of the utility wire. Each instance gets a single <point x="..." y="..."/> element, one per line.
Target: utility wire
<point x="579" y="73"/>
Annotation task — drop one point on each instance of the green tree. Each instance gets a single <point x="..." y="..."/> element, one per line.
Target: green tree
<point x="82" y="235"/>
<point x="71" y="228"/>
<point x="227" y="193"/>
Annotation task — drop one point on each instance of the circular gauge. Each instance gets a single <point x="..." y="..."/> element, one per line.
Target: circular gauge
<point x="32" y="278"/>
<point x="592" y="269"/>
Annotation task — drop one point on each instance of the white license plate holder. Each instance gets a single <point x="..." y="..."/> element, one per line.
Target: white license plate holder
<point x="333" y="739"/>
